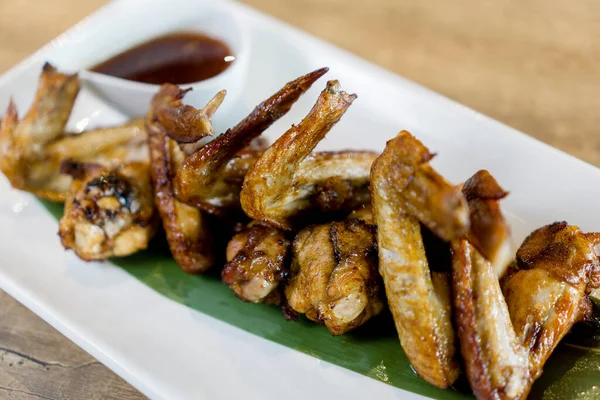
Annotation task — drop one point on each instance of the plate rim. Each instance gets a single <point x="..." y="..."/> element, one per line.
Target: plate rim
<point x="20" y="293"/>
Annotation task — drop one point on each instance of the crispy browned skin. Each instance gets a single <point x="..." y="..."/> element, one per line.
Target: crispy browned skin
<point x="112" y="146"/>
<point x="256" y="263"/>
<point x="546" y="295"/>
<point x="109" y="211"/>
<point x="186" y="228"/>
<point x="333" y="276"/>
<point x="495" y="361"/>
<point x="210" y="177"/>
<point x="107" y="146"/>
<point x="424" y="193"/>
<point x="506" y="340"/>
<point x="437" y="204"/>
<point x="332" y="181"/>
<point x="419" y="300"/>
<point x="22" y="143"/>
<point x="324" y="181"/>
<point x="489" y="231"/>
<point x="184" y="123"/>
<point x="32" y="150"/>
<point x="287" y="179"/>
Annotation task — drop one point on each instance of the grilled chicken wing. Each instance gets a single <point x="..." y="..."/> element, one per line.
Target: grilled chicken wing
<point x="333" y="278"/>
<point x="508" y="332"/>
<point x="495" y="361"/>
<point x="288" y="179"/>
<point x="186" y="227"/>
<point x="109" y="211"/>
<point x="211" y="177"/>
<point x="32" y="150"/>
<point x="546" y="294"/>
<point x="489" y="231"/>
<point x="405" y="190"/>
<point x="22" y="143"/>
<point x="256" y="263"/>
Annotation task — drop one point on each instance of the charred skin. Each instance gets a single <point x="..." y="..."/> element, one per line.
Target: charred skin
<point x="186" y="228"/>
<point x="547" y="293"/>
<point x="109" y="211"/>
<point x="203" y="180"/>
<point x="419" y="299"/>
<point x="333" y="278"/>
<point x="495" y="361"/>
<point x="287" y="179"/>
<point x="489" y="231"/>
<point x="257" y="263"/>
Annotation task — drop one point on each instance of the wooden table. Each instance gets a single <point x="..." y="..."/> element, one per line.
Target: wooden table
<point x="532" y="64"/>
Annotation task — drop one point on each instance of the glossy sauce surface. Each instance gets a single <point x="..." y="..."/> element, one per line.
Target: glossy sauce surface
<point x="177" y="58"/>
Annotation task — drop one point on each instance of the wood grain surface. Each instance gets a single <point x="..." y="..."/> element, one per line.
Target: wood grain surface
<point x="532" y="64"/>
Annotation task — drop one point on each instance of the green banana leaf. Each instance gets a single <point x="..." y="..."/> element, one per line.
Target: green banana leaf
<point x="573" y="371"/>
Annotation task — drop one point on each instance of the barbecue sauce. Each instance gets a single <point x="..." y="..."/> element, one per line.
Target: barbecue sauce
<point x="176" y="58"/>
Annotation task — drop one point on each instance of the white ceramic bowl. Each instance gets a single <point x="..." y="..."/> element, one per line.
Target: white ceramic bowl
<point x="129" y="29"/>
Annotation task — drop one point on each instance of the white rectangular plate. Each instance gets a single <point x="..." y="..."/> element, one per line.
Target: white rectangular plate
<point x="169" y="351"/>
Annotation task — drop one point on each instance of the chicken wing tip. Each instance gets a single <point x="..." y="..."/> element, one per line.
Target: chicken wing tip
<point x="214" y="103"/>
<point x="11" y="113"/>
<point x="171" y="90"/>
<point x="50" y="70"/>
<point x="47" y="67"/>
<point x="319" y="72"/>
<point x="306" y="81"/>
<point x="334" y="88"/>
<point x="183" y="92"/>
<point x="483" y="185"/>
<point x="406" y="142"/>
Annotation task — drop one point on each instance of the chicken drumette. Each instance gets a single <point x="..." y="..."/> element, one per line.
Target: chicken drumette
<point x="546" y="293"/>
<point x="109" y="211"/>
<point x="333" y="277"/>
<point x="257" y="262"/>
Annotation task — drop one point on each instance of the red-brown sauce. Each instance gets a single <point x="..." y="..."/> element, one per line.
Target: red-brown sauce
<point x="177" y="58"/>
